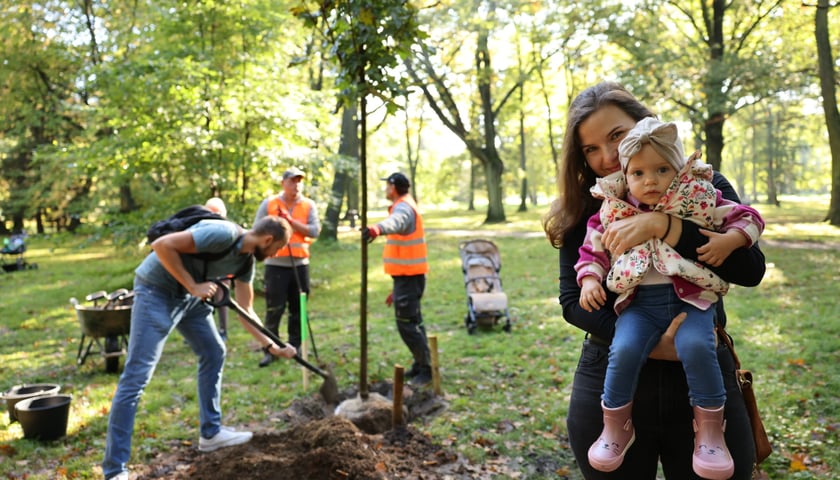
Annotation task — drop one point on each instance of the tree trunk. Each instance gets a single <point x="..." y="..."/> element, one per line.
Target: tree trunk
<point x="348" y="152"/>
<point x="714" y="87"/>
<point x="127" y="203"/>
<point x="363" y="291"/>
<point x="832" y="115"/>
<point x="471" y="193"/>
<point x="555" y="155"/>
<point x="772" y="193"/>
<point x="741" y="178"/>
<point x="411" y="154"/>
<point x="523" y="189"/>
<point x="495" y="207"/>
<point x="39" y="221"/>
<point x="493" y="166"/>
<point x="481" y="146"/>
<point x="17" y="222"/>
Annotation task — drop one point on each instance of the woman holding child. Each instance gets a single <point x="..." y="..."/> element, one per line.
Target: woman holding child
<point x="598" y="119"/>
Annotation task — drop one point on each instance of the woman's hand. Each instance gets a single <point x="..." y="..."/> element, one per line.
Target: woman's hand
<point x="628" y="232"/>
<point x="665" y="349"/>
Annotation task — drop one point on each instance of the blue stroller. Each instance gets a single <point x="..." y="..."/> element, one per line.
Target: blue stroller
<point x="15" y="247"/>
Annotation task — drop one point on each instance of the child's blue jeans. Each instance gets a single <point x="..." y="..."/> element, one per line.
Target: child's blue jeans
<point x="638" y="330"/>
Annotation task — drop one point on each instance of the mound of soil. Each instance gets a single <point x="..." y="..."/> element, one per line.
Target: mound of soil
<point x="319" y="445"/>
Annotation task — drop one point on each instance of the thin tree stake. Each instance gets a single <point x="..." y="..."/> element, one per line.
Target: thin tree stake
<point x="433" y="346"/>
<point x="399" y="377"/>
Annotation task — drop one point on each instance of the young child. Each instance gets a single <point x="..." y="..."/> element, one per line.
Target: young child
<point x="655" y="284"/>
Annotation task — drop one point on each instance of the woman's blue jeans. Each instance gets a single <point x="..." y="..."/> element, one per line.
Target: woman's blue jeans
<point x="639" y="328"/>
<point x="153" y="317"/>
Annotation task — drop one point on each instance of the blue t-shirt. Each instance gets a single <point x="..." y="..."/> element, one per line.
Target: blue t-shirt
<point x="210" y="236"/>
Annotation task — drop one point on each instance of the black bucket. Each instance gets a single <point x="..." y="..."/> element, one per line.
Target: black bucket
<point x="44" y="417"/>
<point x="22" y="392"/>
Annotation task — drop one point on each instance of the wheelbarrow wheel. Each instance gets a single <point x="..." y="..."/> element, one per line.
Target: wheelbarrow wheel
<point x="112" y="354"/>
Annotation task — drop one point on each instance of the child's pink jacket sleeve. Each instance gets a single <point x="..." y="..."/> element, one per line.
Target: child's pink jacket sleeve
<point x="594" y="260"/>
<point x="730" y="215"/>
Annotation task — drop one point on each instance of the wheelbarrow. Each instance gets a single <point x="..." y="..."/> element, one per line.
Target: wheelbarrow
<point x="104" y="325"/>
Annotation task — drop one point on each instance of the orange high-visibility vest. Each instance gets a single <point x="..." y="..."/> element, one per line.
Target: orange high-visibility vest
<point x="300" y="212"/>
<point x="406" y="254"/>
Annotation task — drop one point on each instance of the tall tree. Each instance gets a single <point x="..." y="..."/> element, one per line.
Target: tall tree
<point x="39" y="108"/>
<point x="412" y="154"/>
<point x="482" y="144"/>
<point x="709" y="59"/>
<point x="369" y="39"/>
<point x="437" y="69"/>
<point x="828" y="86"/>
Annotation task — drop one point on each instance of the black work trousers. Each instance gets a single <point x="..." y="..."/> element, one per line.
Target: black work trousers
<point x="281" y="288"/>
<point x="408" y="290"/>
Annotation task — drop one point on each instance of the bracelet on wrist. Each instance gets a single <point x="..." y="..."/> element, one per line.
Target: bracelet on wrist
<point x="667" y="229"/>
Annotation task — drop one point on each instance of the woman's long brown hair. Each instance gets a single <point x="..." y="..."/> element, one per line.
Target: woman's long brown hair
<point x="576" y="178"/>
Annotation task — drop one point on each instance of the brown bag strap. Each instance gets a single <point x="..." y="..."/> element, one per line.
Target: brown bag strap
<point x="727" y="340"/>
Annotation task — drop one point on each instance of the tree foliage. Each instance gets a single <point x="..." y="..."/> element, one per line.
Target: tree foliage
<point x="161" y="105"/>
<point x="710" y="59"/>
<point x="467" y="90"/>
<point x="113" y="112"/>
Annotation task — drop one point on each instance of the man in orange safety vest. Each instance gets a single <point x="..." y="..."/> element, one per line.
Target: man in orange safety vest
<point x="405" y="260"/>
<point x="287" y="272"/>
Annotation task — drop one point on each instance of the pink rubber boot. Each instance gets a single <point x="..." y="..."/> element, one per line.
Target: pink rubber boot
<point x="711" y="457"/>
<point x="607" y="453"/>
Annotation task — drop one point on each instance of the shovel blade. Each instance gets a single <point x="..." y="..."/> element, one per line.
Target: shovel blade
<point x="329" y="389"/>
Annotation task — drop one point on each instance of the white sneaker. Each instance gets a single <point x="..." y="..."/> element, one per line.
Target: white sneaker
<point x="226" y="437"/>
<point x="120" y="476"/>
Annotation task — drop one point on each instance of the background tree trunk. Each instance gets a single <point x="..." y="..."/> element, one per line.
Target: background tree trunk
<point x="127" y="203"/>
<point x="523" y="168"/>
<point x="832" y="115"/>
<point x="493" y="166"/>
<point x="345" y="166"/>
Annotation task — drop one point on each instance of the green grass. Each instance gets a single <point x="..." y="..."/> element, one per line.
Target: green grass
<point x="507" y="394"/>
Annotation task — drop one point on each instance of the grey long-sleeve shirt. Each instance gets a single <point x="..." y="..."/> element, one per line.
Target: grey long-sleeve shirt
<point x="402" y="220"/>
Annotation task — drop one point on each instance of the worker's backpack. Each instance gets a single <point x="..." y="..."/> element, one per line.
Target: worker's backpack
<point x="181" y="220"/>
<point x="186" y="218"/>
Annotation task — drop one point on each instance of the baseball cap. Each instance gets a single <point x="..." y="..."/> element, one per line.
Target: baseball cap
<point x="293" y="172"/>
<point x="398" y="180"/>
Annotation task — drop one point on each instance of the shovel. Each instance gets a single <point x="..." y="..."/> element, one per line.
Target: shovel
<point x="328" y="390"/>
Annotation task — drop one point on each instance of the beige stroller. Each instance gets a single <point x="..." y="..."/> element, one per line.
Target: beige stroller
<point x="486" y="302"/>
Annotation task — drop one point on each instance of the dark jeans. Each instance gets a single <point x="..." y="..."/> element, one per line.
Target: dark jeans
<point x="662" y="417"/>
<point x="281" y="288"/>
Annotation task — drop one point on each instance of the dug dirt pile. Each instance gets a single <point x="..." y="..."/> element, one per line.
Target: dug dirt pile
<point x="319" y="446"/>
